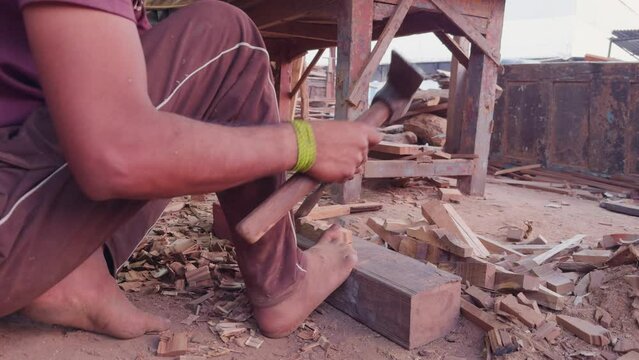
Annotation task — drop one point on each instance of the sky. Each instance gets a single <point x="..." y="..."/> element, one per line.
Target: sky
<point x="542" y="29"/>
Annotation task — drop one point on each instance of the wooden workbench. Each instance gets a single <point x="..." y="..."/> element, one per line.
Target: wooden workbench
<point x="292" y="27"/>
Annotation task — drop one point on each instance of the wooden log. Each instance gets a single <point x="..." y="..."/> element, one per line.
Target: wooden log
<point x="428" y="128"/>
<point x="585" y="330"/>
<point x="409" y="302"/>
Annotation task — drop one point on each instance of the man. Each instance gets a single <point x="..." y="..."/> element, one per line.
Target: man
<point x="98" y="127"/>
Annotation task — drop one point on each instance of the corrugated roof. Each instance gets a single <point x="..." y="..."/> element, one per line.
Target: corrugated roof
<point x="627" y="40"/>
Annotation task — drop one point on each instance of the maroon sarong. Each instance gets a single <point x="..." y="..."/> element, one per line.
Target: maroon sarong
<point x="206" y="62"/>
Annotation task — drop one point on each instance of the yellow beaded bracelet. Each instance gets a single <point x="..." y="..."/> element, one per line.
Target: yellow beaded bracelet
<point x="306" y="147"/>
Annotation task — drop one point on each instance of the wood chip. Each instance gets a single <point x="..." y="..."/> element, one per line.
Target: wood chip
<point x="585" y="330"/>
<point x="254" y="342"/>
<point x="175" y="345"/>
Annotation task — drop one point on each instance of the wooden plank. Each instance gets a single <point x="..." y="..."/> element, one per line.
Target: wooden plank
<point x="547" y="298"/>
<point x="625" y="206"/>
<point x="397" y="148"/>
<point x="568" y="244"/>
<point x="406" y="300"/>
<point x="495" y="247"/>
<point x="437" y="214"/>
<point x="468" y="235"/>
<point x="480" y="297"/>
<point x="486" y="321"/>
<point x="585" y="330"/>
<point x="469" y="30"/>
<point x="450" y="195"/>
<point x="327" y="212"/>
<point x="516" y="169"/>
<point x="360" y="87"/>
<point x="441" y="239"/>
<point x="531" y="249"/>
<point x="458" y="53"/>
<point x="377" y="169"/>
<point x="525" y="314"/>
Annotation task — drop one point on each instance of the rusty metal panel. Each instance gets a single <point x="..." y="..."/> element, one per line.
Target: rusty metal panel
<point x="632" y="135"/>
<point x="569" y="124"/>
<point x="587" y="119"/>
<point x="528" y="107"/>
<point x="608" y="125"/>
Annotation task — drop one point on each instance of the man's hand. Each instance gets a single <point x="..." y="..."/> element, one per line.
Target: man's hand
<point x="342" y="148"/>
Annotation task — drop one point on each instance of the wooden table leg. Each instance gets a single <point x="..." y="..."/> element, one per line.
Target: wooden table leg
<point x="355" y="26"/>
<point x="479" y="106"/>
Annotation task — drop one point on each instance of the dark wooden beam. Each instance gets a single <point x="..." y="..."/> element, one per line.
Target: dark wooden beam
<point x="469" y="30"/>
<point x="454" y="48"/>
<point x="307" y="71"/>
<point x="456" y="99"/>
<point x="480" y="105"/>
<point x="355" y="27"/>
<point x="274" y="12"/>
<point x="320" y="32"/>
<point x="408" y="301"/>
<point x="364" y="78"/>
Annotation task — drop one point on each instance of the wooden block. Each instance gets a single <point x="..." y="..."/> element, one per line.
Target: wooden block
<point x="633" y="355"/>
<point x="627" y="254"/>
<point x="515" y="234"/>
<point x="524" y="313"/>
<point x="441" y="155"/>
<point x="518" y="282"/>
<point x="633" y="280"/>
<point x="521" y="297"/>
<point x="581" y="288"/>
<point x="176" y="345"/>
<point x="476" y="273"/>
<point x="397" y="225"/>
<point x="595" y="257"/>
<point x="571" y="266"/>
<point x="603" y="317"/>
<point x="450" y="195"/>
<point x="480" y="297"/>
<point x="397" y="149"/>
<point x="441" y="239"/>
<point x="406" y="300"/>
<point x="615" y="240"/>
<point x="539" y="240"/>
<point x="445" y="217"/>
<point x="556" y="250"/>
<point x="377" y="225"/>
<point x="547" y="298"/>
<point x="585" y="330"/>
<point x="221" y="228"/>
<point x="548" y="330"/>
<point x="327" y="212"/>
<point x="559" y="283"/>
<point x="485" y="320"/>
<point x="625" y="345"/>
<point x="199" y="277"/>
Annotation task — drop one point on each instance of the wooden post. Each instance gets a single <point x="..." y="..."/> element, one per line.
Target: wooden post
<point x="330" y="76"/>
<point x="456" y="99"/>
<point x="480" y="103"/>
<point x="285" y="81"/>
<point x="354" y="36"/>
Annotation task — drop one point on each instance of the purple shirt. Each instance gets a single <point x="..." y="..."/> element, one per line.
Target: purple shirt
<point x="20" y="90"/>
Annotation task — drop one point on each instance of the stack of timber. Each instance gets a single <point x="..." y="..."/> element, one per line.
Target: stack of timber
<point x="609" y="189"/>
<point x="528" y="299"/>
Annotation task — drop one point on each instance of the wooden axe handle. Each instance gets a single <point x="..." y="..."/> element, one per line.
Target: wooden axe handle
<point x="276" y="206"/>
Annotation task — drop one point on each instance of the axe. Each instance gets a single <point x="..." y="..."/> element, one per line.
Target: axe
<point x="390" y="102"/>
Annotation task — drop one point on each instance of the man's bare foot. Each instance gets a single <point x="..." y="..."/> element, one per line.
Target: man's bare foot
<point x="89" y="299"/>
<point x="329" y="263"/>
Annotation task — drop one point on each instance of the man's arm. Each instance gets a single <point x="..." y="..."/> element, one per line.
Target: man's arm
<point x="92" y="69"/>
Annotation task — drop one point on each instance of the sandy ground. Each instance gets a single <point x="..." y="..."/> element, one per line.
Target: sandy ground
<point x="502" y="206"/>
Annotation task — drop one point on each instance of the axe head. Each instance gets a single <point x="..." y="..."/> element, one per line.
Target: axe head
<point x="401" y="84"/>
